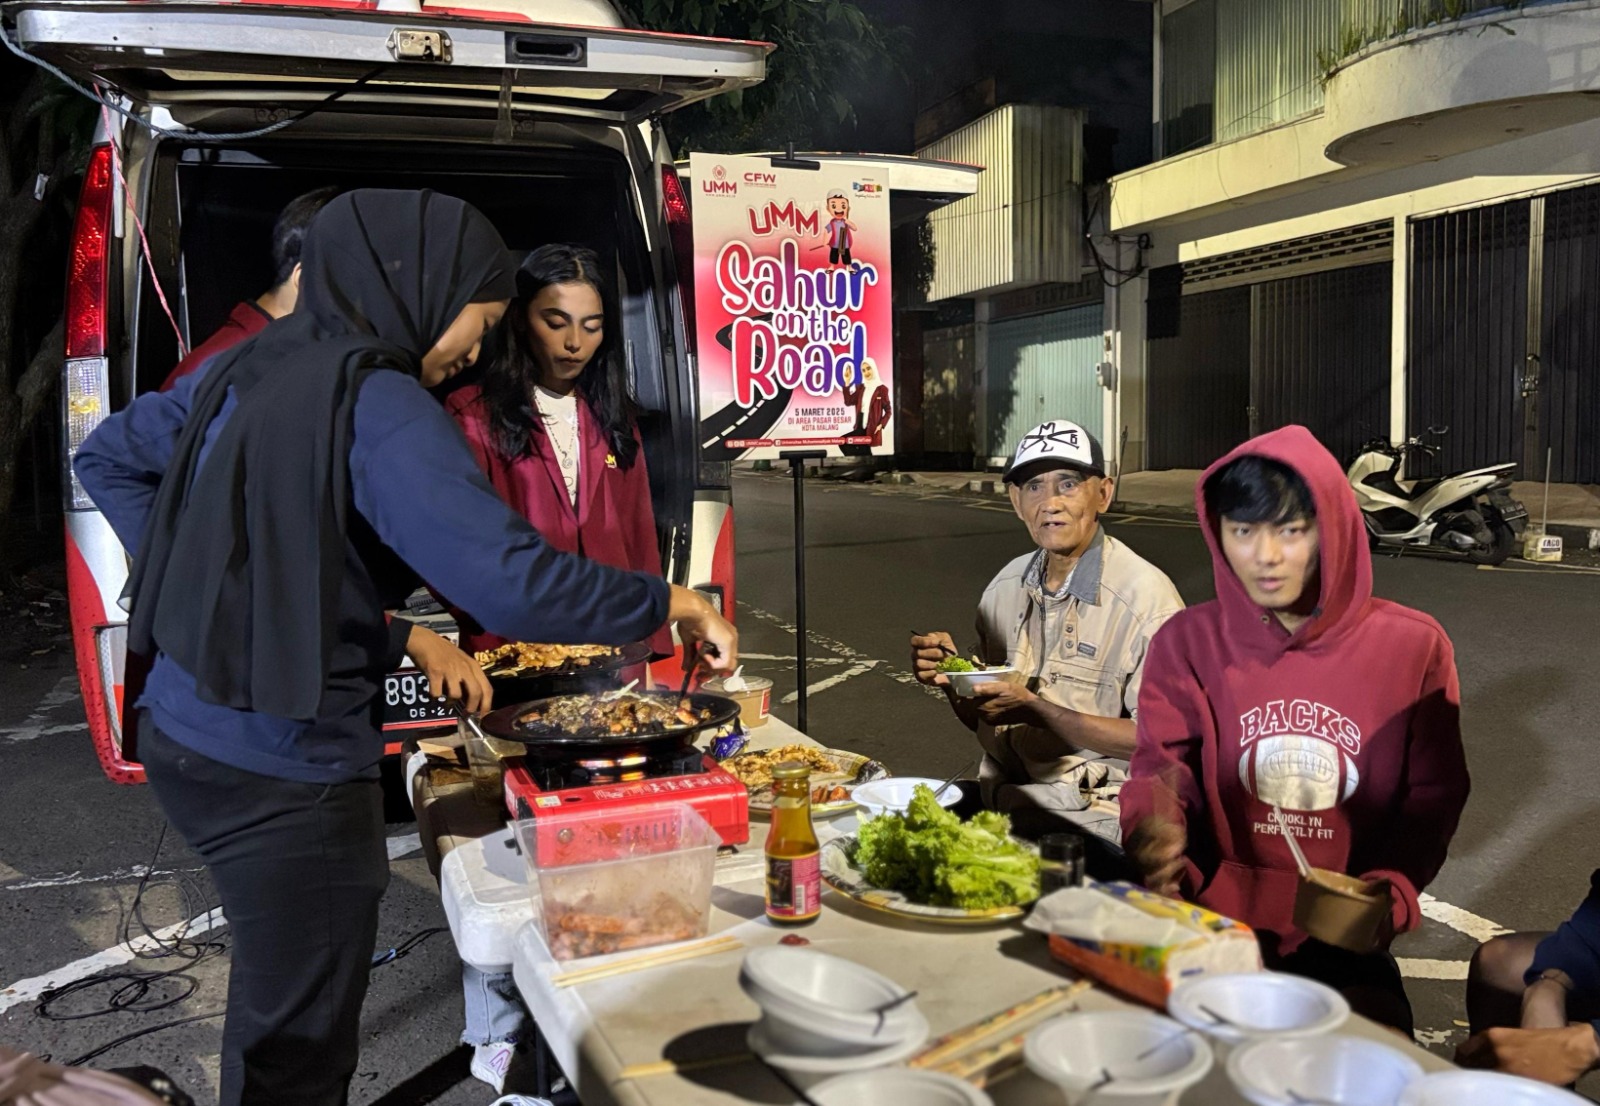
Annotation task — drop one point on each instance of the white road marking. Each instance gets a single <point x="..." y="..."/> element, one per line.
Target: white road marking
<point x="72" y="879"/>
<point x="831" y="681"/>
<point x="37" y="724"/>
<point x="743" y="656"/>
<point x="1432" y="969"/>
<point x="1462" y="921"/>
<point x="1433" y="1038"/>
<point x="404" y="845"/>
<point x="899" y="675"/>
<point x="28" y="990"/>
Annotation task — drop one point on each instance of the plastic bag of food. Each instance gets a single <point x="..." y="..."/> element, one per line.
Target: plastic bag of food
<point x="1140" y="943"/>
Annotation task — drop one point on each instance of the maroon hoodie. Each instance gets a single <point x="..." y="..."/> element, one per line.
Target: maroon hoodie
<point x="1351" y="725"/>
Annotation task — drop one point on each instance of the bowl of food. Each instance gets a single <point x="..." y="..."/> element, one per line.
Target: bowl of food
<point x="1484" y="1088"/>
<point x="965" y="675"/>
<point x="1120" y="1057"/>
<point x="821" y="1005"/>
<point x="1351" y="1071"/>
<point x="892" y="795"/>
<point x="898" y="1087"/>
<point x="1245" y="1006"/>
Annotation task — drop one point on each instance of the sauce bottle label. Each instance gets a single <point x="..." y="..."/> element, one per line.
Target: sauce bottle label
<point x="794" y="886"/>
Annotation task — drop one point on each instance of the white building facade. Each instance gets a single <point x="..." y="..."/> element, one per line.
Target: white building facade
<point x="1369" y="216"/>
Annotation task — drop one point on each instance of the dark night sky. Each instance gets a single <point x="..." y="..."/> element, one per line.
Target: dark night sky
<point x="1090" y="54"/>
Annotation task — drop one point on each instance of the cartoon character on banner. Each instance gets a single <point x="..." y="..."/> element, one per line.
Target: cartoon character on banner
<point x="839" y="231"/>
<point x="870" y="397"/>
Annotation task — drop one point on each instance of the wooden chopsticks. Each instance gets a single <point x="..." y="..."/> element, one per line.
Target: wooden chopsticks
<point x="945" y="1054"/>
<point x="648" y="960"/>
<point x="674" y="1067"/>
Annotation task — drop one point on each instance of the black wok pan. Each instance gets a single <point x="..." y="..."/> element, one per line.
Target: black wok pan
<point x="600" y="674"/>
<point x="547" y="740"/>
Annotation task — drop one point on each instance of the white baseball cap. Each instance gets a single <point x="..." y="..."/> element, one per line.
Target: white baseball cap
<point x="1065" y="443"/>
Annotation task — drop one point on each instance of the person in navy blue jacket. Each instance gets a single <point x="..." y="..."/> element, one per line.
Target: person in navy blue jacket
<point x="1533" y="1000"/>
<point x="276" y="504"/>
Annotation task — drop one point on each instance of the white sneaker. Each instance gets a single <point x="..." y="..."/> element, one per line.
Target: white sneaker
<point x="521" y="1100"/>
<point x="490" y="1063"/>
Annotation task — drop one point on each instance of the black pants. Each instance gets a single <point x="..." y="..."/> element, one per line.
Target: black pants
<point x="301" y="868"/>
<point x="834" y="253"/>
<point x="1370" y="982"/>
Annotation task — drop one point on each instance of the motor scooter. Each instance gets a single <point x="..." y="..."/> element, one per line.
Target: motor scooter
<point x="1470" y="515"/>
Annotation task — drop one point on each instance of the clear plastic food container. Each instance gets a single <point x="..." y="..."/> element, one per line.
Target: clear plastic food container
<point x="613" y="879"/>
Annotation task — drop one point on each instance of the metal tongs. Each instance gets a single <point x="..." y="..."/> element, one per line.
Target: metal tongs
<point x="469" y="718"/>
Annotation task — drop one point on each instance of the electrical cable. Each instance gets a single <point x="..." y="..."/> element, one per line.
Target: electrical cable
<point x="96" y="1053"/>
<point x="407" y="947"/>
<point x="171" y="132"/>
<point x="142" y="991"/>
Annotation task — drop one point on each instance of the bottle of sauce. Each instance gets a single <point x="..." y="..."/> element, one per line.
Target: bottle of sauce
<point x="794" y="859"/>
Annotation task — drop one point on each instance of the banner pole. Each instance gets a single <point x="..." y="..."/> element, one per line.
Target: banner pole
<point x="797" y="470"/>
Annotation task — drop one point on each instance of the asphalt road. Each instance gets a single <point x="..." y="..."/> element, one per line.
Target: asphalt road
<point x="883" y="561"/>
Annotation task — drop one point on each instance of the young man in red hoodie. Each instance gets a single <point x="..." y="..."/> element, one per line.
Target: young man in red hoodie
<point x="1296" y="688"/>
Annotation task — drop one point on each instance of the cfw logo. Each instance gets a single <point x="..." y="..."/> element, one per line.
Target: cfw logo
<point x="761" y="180"/>
<point x="719" y="184"/>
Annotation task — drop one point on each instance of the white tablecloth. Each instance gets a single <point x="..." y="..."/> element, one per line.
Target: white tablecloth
<point x="696" y="1009"/>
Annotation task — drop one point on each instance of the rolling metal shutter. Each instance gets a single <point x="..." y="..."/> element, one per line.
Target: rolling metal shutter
<point x="1321" y="354"/>
<point x="1043" y="367"/>
<point x="1199" y="380"/>
<point x="1468" y="332"/>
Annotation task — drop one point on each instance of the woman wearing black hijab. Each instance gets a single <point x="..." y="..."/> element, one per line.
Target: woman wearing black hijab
<point x="276" y="504"/>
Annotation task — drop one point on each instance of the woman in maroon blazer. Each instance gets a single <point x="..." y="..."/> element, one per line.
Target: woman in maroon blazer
<point x="553" y="424"/>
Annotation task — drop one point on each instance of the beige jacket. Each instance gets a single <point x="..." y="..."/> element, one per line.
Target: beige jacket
<point x="1083" y="649"/>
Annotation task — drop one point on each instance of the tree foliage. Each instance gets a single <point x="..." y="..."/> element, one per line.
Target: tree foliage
<point x="829" y="57"/>
<point x="44" y="142"/>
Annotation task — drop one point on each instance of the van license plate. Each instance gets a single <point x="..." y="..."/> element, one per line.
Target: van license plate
<point x="406" y="701"/>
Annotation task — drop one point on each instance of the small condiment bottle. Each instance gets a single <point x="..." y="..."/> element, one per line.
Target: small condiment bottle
<point x="794" y="859"/>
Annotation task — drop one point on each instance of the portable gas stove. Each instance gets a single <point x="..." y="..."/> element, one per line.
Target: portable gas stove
<point x="622" y="778"/>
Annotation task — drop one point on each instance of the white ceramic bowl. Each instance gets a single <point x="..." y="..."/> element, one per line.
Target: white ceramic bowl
<point x="1484" y="1088"/>
<point x="898" y="1087"/>
<point x="1257" y="1004"/>
<point x="893" y="794"/>
<point x="962" y="683"/>
<point x="1150" y="1058"/>
<point x="823" y="1005"/>
<point x="1351" y="1071"/>
<point x="808" y="1070"/>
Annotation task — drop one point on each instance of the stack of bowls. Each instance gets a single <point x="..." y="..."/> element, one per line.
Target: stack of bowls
<point x="1233" y="1009"/>
<point x="1117" y="1057"/>
<point x="1351" y="1071"/>
<point x="820" y="1014"/>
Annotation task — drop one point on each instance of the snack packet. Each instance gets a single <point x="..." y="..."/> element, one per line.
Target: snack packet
<point x="1140" y="943"/>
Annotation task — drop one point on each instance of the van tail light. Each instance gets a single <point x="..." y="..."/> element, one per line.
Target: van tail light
<point x="681" y="230"/>
<point x="91" y="248"/>
<point x="84" y="386"/>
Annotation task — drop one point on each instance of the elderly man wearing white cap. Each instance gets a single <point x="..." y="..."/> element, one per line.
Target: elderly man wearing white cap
<point x="1075" y="618"/>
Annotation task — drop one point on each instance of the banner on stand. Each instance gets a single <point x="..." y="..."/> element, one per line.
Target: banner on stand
<point x="794" y="309"/>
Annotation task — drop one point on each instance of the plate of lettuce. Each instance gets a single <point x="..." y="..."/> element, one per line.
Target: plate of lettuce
<point x="929" y="865"/>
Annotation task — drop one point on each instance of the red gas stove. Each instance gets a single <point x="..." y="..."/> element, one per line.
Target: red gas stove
<point x="686" y="775"/>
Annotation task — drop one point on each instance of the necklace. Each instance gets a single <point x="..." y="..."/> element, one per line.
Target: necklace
<point x="566" y="451"/>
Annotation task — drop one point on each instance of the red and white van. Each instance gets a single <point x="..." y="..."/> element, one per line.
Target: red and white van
<point x="547" y="122"/>
<point x="542" y="113"/>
